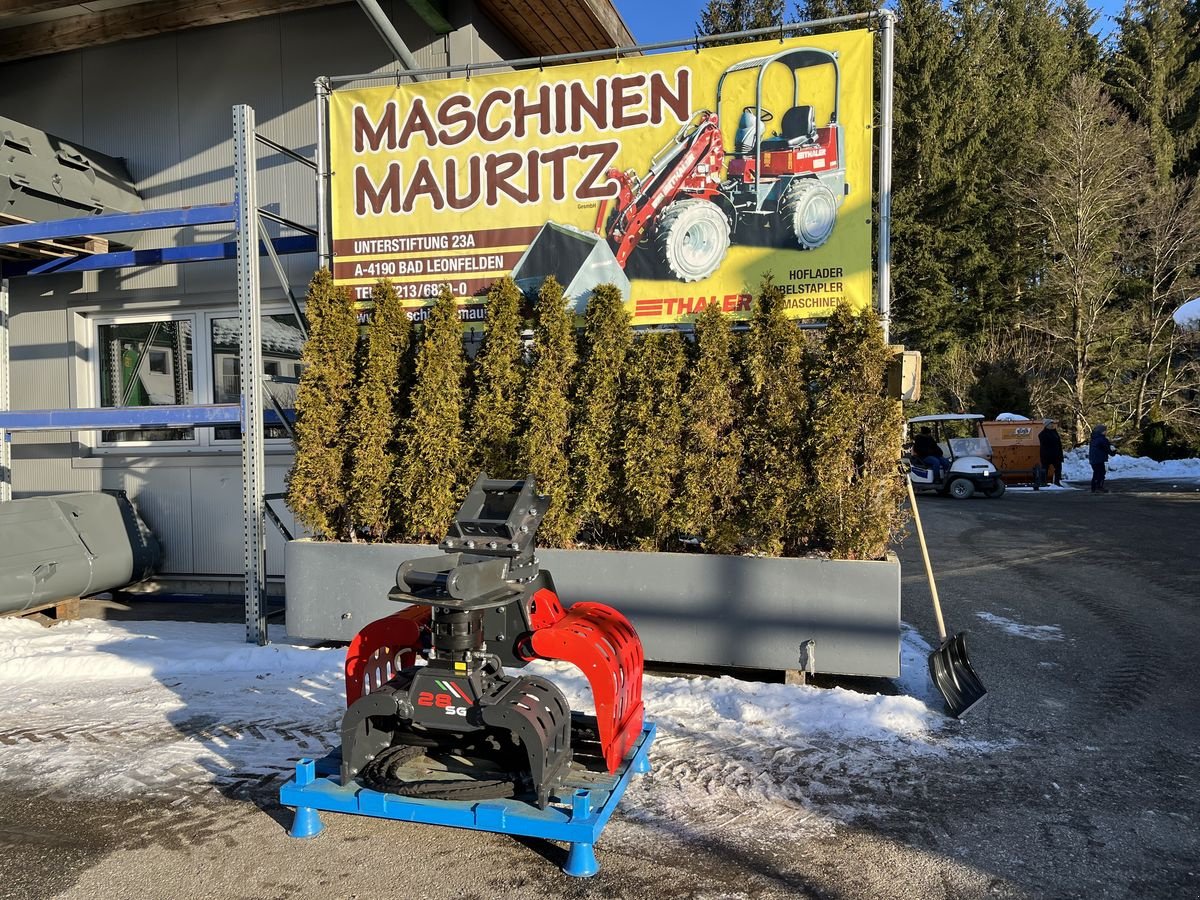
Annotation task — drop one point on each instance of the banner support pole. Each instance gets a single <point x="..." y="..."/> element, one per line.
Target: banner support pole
<point x="324" y="246"/>
<point x="886" y="57"/>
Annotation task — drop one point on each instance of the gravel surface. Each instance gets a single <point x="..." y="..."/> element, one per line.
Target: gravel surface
<point x="1082" y="612"/>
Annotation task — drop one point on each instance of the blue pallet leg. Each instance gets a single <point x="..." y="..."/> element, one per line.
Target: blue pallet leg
<point x="581" y="860"/>
<point x="641" y="763"/>
<point x="307" y="822"/>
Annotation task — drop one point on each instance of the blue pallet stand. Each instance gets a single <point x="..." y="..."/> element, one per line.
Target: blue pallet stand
<point x="577" y="814"/>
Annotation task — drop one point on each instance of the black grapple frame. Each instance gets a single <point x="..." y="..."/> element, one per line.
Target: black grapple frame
<point x="483" y="604"/>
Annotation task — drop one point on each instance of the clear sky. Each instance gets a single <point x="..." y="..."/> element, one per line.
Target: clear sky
<point x="652" y="21"/>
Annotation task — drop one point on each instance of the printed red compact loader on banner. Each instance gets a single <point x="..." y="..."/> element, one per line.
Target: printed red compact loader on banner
<point x="459" y="729"/>
<point x="784" y="190"/>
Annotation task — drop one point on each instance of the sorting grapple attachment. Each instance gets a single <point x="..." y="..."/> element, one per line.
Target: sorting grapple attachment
<point x="484" y="603"/>
<point x="603" y="645"/>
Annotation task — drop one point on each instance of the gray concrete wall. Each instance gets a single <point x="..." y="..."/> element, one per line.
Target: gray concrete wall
<point x="164" y="104"/>
<point x="688" y="608"/>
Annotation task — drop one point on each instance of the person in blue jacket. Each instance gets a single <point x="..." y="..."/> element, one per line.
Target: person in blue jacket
<point x="1099" y="450"/>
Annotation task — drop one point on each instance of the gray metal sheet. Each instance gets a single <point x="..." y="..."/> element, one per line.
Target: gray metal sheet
<point x="69" y="546"/>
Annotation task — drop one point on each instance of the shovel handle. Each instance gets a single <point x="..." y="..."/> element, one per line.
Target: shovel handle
<point x="937" y="605"/>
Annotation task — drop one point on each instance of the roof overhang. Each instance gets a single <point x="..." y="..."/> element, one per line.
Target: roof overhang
<point x="31" y="28"/>
<point x="546" y="27"/>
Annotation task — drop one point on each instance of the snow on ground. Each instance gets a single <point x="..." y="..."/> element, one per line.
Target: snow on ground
<point x="1033" y="632"/>
<point x="1076" y="467"/>
<point x="181" y="709"/>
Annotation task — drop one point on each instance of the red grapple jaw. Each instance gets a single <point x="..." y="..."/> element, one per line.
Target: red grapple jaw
<point x="382" y="649"/>
<point x="602" y="644"/>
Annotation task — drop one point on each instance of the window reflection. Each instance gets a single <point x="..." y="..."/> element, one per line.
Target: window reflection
<point x="282" y="341"/>
<point x="146" y="364"/>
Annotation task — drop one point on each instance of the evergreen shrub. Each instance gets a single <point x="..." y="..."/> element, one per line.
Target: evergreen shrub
<point x="431" y="476"/>
<point x="317" y="485"/>
<point x="774" y="422"/>
<point x="651" y="422"/>
<point x="546" y="414"/>
<point x="711" y="442"/>
<point x="774" y="441"/>
<point x="383" y="379"/>
<point x="603" y="349"/>
<point x="499" y="379"/>
<point x="854" y="492"/>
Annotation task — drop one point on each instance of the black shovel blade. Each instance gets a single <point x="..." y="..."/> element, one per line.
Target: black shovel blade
<point x="952" y="674"/>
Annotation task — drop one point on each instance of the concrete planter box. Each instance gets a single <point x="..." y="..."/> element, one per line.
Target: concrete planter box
<point x="830" y="616"/>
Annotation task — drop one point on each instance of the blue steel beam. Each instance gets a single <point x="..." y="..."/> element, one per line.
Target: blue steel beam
<point x="121" y="417"/>
<point x="114" y="223"/>
<point x="159" y="256"/>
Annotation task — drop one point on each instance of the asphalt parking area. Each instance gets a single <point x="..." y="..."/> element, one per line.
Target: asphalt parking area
<point x="1075" y="778"/>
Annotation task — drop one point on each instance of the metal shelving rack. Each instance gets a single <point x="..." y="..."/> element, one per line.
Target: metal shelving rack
<point x="252" y="240"/>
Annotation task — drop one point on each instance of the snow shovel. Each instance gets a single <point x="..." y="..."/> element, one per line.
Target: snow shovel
<point x="949" y="666"/>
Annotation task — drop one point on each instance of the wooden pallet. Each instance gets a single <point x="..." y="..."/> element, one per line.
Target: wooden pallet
<point x="48" y="613"/>
<point x="68" y="248"/>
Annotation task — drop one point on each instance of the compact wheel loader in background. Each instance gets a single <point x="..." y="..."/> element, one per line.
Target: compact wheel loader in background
<point x="678" y="220"/>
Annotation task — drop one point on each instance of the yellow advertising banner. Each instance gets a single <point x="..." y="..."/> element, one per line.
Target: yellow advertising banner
<point x="682" y="178"/>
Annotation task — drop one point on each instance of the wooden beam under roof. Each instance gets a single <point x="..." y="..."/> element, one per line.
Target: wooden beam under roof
<point x="539" y="27"/>
<point x="547" y="27"/>
<point x="11" y="8"/>
<point x="140" y="20"/>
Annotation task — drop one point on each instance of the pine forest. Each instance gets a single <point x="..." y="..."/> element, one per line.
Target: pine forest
<point x="1046" y="219"/>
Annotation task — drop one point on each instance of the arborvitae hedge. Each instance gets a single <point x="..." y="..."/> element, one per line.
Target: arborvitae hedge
<point x="651" y="423"/>
<point x="712" y="447"/>
<point x="382" y="380"/>
<point x="430" y="475"/>
<point x="774" y="422"/>
<point x="603" y="350"/>
<point x="855" y="491"/>
<point x="774" y="441"/>
<point x="317" y="486"/>
<point x="499" y="378"/>
<point x="546" y="414"/>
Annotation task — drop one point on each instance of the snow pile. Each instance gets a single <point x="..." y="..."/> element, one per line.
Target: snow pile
<point x="1077" y="468"/>
<point x="1011" y="417"/>
<point x="92" y="650"/>
<point x="177" y="710"/>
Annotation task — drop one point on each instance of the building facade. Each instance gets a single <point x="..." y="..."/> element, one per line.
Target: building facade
<point x="162" y="103"/>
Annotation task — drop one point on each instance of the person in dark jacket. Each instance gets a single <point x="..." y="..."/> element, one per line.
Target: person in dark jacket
<point x="1051" y="451"/>
<point x="1100" y="448"/>
<point x="926" y="449"/>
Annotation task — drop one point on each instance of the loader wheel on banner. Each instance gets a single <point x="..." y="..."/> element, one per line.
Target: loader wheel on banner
<point x="692" y="239"/>
<point x="808" y="213"/>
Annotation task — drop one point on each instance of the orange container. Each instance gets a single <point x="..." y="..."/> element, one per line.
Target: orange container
<point x="1016" y="451"/>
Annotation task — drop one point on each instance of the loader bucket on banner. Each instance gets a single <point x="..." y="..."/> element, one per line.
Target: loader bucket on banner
<point x="579" y="260"/>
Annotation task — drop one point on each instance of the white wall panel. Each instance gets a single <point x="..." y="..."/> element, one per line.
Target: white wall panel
<point x="163" y="497"/>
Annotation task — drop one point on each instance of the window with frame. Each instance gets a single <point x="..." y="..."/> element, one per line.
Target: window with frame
<point x="147" y="363"/>
<point x="185" y="359"/>
<point x="282" y="342"/>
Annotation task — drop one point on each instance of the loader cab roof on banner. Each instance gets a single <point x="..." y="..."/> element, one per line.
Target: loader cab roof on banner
<point x="794" y="59"/>
<point x="948" y="417"/>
